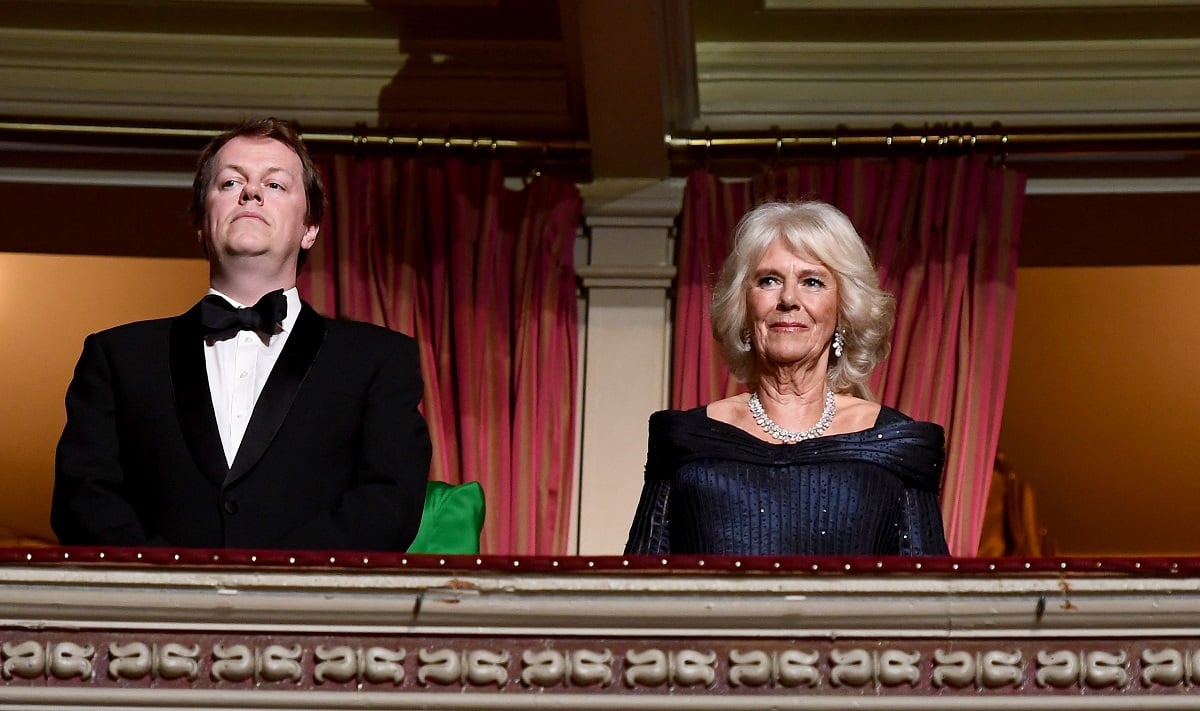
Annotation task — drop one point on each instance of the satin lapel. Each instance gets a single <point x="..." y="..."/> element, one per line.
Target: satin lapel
<point x="280" y="391"/>
<point x="193" y="402"/>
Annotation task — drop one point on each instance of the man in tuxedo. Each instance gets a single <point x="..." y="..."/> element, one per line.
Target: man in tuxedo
<point x="250" y="421"/>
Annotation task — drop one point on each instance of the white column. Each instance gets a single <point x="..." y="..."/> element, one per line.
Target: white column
<point x="625" y="345"/>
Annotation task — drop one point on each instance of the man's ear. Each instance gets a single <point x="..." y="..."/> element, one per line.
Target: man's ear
<point x="310" y="236"/>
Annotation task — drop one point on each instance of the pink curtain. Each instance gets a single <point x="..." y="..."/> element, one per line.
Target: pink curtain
<point x="944" y="233"/>
<point x="483" y="277"/>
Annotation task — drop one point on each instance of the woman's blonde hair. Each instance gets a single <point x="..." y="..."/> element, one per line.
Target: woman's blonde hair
<point x="820" y="232"/>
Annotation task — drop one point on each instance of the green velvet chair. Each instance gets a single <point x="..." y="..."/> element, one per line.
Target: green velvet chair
<point x="452" y="519"/>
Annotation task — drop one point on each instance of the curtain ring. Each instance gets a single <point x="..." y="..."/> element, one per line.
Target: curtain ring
<point x="358" y="139"/>
<point x="774" y="164"/>
<point x="833" y="142"/>
<point x="536" y="172"/>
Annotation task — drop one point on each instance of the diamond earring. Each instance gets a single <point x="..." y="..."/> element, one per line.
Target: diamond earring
<point x="839" y="344"/>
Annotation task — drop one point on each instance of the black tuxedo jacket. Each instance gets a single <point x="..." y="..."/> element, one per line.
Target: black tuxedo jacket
<point x="335" y="456"/>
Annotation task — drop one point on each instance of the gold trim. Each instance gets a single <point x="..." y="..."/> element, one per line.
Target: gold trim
<point x="32" y="130"/>
<point x="992" y="139"/>
<point x="682" y="148"/>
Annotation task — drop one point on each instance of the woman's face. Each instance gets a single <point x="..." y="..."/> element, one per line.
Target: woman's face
<point x="793" y="308"/>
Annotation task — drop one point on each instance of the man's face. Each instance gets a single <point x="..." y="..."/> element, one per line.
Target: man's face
<point x="255" y="204"/>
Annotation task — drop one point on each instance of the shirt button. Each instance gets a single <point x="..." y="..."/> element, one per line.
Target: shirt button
<point x="230" y="507"/>
<point x="244" y="374"/>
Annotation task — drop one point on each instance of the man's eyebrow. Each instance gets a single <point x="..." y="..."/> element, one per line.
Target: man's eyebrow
<point x="240" y="169"/>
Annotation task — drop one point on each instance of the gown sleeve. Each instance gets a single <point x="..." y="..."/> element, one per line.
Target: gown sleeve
<point x="921" y="531"/>
<point x="919" y="459"/>
<point x="650" y="534"/>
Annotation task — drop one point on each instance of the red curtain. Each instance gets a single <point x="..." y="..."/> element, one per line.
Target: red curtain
<point x="944" y="233"/>
<point x="484" y="278"/>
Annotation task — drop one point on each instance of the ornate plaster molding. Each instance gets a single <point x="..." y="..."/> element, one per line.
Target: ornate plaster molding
<point x="238" y="630"/>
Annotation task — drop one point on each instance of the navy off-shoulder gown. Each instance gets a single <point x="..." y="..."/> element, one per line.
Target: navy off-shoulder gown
<point x="712" y="488"/>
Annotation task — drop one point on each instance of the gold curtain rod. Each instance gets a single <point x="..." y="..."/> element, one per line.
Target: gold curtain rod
<point x="687" y="148"/>
<point x="993" y="139"/>
<point x="35" y="129"/>
<point x="363" y="137"/>
<point x="965" y="136"/>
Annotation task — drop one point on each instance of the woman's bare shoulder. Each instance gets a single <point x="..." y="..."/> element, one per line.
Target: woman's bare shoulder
<point x="731" y="410"/>
<point x="854" y="414"/>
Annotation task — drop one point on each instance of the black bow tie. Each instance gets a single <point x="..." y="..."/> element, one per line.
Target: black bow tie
<point x="222" y="319"/>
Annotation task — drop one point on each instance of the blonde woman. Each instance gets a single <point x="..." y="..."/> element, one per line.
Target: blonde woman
<point x="805" y="463"/>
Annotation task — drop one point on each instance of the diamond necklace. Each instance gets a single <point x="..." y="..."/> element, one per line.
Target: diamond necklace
<point x="787" y="436"/>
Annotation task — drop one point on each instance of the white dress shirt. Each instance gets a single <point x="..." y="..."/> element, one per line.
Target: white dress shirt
<point x="238" y="368"/>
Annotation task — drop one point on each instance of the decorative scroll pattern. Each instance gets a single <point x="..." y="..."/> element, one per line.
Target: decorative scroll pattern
<point x="521" y="665"/>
